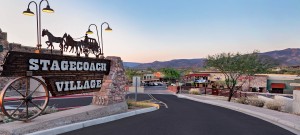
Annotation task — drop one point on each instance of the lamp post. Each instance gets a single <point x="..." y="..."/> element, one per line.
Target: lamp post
<point x="91" y="32"/>
<point x="28" y="12"/>
<point x="107" y="29"/>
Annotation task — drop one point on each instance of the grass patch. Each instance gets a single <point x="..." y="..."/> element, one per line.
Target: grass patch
<point x="132" y="104"/>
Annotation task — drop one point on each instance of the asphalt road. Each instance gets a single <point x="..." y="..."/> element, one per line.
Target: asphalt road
<point x="140" y="97"/>
<point x="185" y="117"/>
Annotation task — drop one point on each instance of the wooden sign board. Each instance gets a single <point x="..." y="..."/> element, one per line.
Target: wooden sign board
<point x="59" y="86"/>
<point x="64" y="75"/>
<point x="36" y="64"/>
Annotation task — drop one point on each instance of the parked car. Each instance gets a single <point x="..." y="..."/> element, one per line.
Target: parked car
<point x="153" y="84"/>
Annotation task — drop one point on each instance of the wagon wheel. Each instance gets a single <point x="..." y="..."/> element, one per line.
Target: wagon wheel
<point x="24" y="98"/>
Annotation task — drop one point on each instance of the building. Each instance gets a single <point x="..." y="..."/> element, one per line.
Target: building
<point x="253" y="83"/>
<point x="149" y="78"/>
<point x="197" y="79"/>
<point x="256" y="83"/>
<point x="273" y="83"/>
<point x="282" y="83"/>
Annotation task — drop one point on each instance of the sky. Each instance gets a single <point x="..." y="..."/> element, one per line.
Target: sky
<point x="161" y="30"/>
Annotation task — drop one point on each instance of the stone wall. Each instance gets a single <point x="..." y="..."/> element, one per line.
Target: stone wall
<point x="3" y="35"/>
<point x="113" y="88"/>
<point x="4" y="42"/>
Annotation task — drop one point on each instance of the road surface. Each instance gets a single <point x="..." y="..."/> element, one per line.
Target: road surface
<point x="185" y="117"/>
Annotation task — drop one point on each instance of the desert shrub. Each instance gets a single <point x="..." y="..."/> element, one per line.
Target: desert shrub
<point x="242" y="100"/>
<point x="194" y="91"/>
<point x="31" y="111"/>
<point x="7" y="120"/>
<point x="50" y="109"/>
<point x="256" y="102"/>
<point x="130" y="103"/>
<point x="1" y="116"/>
<point x="4" y="118"/>
<point x="273" y="105"/>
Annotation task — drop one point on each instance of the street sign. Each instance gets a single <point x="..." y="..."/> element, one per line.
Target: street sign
<point x="64" y="75"/>
<point x="61" y="75"/>
<point x="136" y="82"/>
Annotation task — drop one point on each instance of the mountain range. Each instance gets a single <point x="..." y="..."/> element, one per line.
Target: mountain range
<point x="286" y="57"/>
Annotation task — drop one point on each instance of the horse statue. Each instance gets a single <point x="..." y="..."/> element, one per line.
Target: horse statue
<point x="67" y="43"/>
<point x="52" y="39"/>
<point x="70" y="42"/>
<point x="65" y="48"/>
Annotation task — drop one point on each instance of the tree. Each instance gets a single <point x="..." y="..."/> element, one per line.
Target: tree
<point x="170" y="74"/>
<point x="151" y="69"/>
<point x="130" y="73"/>
<point x="233" y="66"/>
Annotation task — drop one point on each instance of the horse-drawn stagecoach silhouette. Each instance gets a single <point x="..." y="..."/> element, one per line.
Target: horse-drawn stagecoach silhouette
<point x="67" y="43"/>
<point x="36" y="75"/>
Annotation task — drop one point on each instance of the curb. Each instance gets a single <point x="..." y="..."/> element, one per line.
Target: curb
<point x="75" y="126"/>
<point x="249" y="112"/>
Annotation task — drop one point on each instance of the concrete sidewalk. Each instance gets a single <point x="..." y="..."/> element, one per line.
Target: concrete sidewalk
<point x="286" y="120"/>
<point x="68" y="120"/>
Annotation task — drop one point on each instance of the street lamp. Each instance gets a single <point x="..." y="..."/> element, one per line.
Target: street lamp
<point x="108" y="29"/>
<point x="28" y="12"/>
<point x="91" y="32"/>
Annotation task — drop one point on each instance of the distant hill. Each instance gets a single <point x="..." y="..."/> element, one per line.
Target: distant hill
<point x="287" y="57"/>
<point x="130" y="64"/>
<point x="177" y="63"/>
